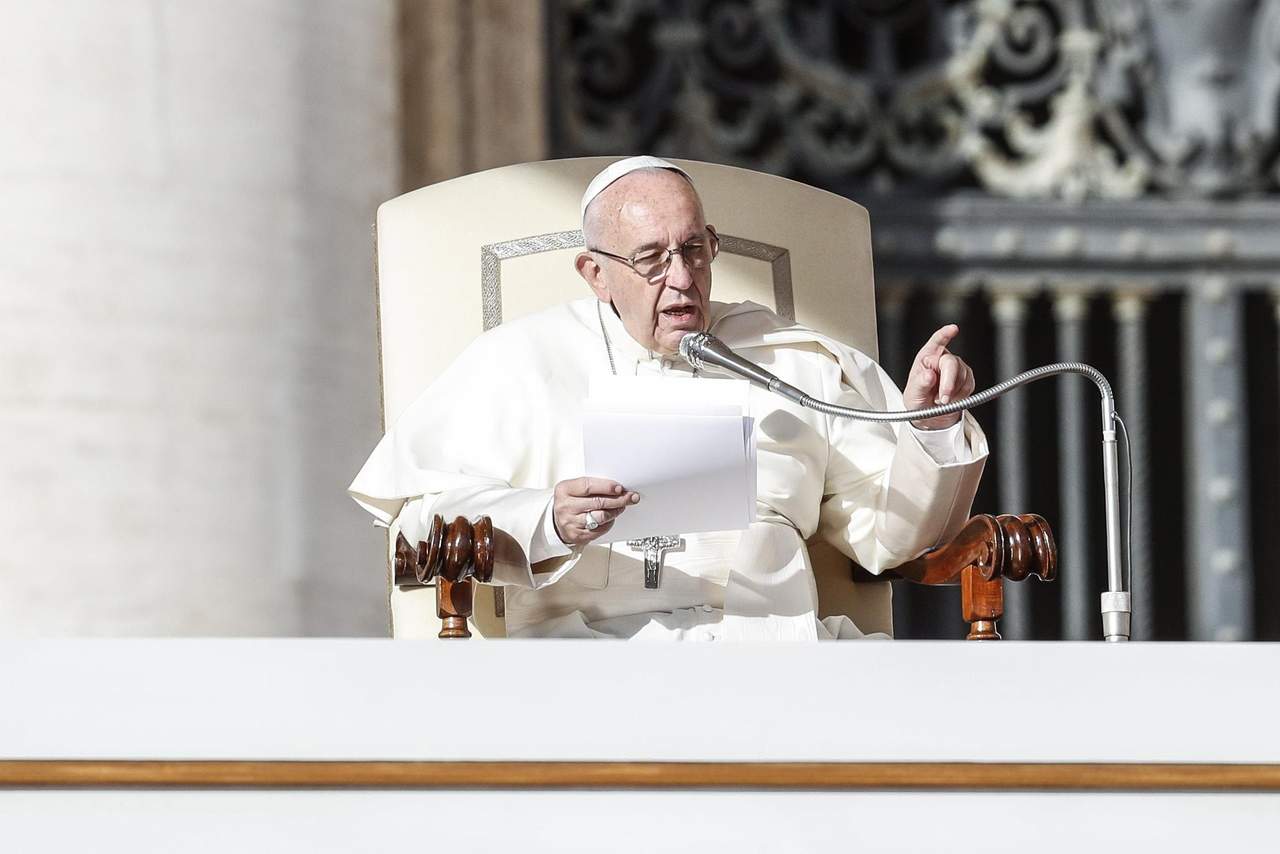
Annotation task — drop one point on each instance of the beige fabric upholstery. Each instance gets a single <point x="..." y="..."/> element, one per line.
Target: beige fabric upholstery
<point x="460" y="256"/>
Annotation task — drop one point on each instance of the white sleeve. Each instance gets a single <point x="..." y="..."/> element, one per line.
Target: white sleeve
<point x="947" y="446"/>
<point x="892" y="492"/>
<point x="546" y="539"/>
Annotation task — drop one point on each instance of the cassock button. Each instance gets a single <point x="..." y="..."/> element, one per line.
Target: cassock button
<point x="708" y="608"/>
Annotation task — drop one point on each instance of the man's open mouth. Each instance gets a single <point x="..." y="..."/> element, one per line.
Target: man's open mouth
<point x="677" y="311"/>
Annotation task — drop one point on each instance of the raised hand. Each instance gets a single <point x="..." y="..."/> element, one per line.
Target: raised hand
<point x="573" y="499"/>
<point x="938" y="376"/>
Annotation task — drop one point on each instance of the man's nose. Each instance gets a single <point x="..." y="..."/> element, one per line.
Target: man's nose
<point x="679" y="275"/>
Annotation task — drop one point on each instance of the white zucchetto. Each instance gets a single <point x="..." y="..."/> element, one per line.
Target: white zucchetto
<point x="618" y="168"/>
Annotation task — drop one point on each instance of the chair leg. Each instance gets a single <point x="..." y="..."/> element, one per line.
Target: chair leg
<point x="453" y="604"/>
<point x="982" y="602"/>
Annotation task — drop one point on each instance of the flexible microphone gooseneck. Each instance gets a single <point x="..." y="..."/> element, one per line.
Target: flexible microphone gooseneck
<point x="703" y="350"/>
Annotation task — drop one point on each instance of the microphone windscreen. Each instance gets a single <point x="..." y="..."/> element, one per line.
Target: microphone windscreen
<point x="691" y="347"/>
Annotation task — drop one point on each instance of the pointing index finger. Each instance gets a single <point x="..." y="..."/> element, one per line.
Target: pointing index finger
<point x="940" y="339"/>
<point x="937" y="345"/>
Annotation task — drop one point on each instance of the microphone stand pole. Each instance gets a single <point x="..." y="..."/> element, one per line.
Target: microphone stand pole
<point x="704" y="350"/>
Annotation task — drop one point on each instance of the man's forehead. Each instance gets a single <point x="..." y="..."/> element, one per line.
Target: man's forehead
<point x="652" y="182"/>
<point x="650" y="198"/>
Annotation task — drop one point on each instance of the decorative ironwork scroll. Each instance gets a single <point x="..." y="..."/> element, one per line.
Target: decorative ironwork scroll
<point x="1066" y="99"/>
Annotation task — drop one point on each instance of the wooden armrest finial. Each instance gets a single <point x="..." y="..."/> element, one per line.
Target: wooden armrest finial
<point x="988" y="549"/>
<point x="1030" y="548"/>
<point x="455" y="557"/>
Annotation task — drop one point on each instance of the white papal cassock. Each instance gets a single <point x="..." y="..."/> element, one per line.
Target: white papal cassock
<point x="502" y="425"/>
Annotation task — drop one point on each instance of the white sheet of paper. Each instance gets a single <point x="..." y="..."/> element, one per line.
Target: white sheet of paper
<point x="686" y="446"/>
<point x="668" y="394"/>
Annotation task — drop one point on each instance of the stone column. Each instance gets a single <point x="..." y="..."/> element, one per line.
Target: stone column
<point x="1009" y="309"/>
<point x="1219" y="576"/>
<point x="1076" y="574"/>
<point x="187" y="334"/>
<point x="1130" y="312"/>
<point x="473" y="86"/>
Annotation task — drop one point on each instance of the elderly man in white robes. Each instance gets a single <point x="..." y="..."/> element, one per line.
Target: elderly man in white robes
<point x="880" y="493"/>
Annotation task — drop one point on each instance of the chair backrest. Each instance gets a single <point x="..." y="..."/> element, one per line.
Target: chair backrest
<point x="464" y="255"/>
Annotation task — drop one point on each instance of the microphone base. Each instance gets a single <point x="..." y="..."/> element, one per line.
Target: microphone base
<point x="1117" y="613"/>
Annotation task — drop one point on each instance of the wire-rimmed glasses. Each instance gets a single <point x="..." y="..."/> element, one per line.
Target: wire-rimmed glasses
<point x="653" y="264"/>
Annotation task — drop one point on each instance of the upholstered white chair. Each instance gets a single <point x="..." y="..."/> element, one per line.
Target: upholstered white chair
<point x="462" y="256"/>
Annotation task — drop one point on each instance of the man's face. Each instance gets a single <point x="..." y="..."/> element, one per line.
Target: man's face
<point x="641" y="212"/>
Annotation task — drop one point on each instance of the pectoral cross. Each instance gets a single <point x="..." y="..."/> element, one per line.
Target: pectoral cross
<point x="654" y="548"/>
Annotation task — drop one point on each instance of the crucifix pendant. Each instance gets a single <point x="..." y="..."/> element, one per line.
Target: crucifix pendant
<point x="654" y="548"/>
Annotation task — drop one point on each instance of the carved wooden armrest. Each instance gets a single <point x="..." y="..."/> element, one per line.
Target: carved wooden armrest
<point x="455" y="557"/>
<point x="987" y="549"/>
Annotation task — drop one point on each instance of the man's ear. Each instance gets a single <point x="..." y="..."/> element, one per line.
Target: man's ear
<point x="593" y="274"/>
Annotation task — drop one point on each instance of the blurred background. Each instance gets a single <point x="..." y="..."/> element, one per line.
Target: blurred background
<point x="188" y="356"/>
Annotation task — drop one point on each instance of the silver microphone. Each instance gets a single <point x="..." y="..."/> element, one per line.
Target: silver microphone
<point x="702" y="350"/>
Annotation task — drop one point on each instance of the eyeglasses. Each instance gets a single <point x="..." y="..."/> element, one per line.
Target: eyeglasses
<point x="654" y="264"/>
